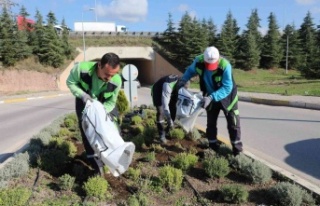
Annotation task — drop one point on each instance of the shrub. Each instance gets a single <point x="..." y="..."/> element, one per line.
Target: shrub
<point x="171" y="178"/>
<point x="14" y="196"/>
<point x="240" y="162"/>
<point x="44" y="137"/>
<point x="137" y="129"/>
<point x="138" y="141"/>
<point x="257" y="172"/>
<point x="184" y="161"/>
<point x="53" y="161"/>
<point x="149" y="134"/>
<point x="136" y="119"/>
<point x="64" y="132"/>
<point x="122" y="103"/>
<point x="138" y="199"/>
<point x="285" y="193"/>
<point x="194" y="134"/>
<point x="150" y="122"/>
<point x="133" y="173"/>
<point x="69" y="122"/>
<point x="216" y="166"/>
<point x="234" y="193"/>
<point x="150" y="157"/>
<point x="96" y="187"/>
<point x="18" y="167"/>
<point x="66" y="182"/>
<point x="176" y="133"/>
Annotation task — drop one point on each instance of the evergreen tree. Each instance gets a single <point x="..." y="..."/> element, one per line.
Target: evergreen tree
<point x="67" y="49"/>
<point x="50" y="51"/>
<point x="228" y="42"/>
<point x="7" y="31"/>
<point x="36" y="36"/>
<point x="292" y="50"/>
<point x="212" y="33"/>
<point x="184" y="41"/>
<point x="271" y="52"/>
<point x="168" y="39"/>
<point x="21" y="43"/>
<point x="250" y="44"/>
<point x="307" y="34"/>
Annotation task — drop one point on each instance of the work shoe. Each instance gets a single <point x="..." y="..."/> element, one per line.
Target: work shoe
<point x="215" y="146"/>
<point x="163" y="139"/>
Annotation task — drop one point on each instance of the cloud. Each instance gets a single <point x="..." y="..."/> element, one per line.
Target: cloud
<point x="307" y="2"/>
<point x="185" y="8"/>
<point x="126" y="10"/>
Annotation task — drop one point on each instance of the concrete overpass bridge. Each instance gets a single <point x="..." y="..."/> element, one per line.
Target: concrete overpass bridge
<point x="150" y="64"/>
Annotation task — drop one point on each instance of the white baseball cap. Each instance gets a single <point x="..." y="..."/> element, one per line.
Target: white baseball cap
<point x="211" y="58"/>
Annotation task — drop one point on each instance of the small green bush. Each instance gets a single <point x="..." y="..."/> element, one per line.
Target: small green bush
<point x="53" y="161"/>
<point x="137" y="129"/>
<point x="240" y="162"/>
<point x="14" y="196"/>
<point x="133" y="174"/>
<point x="122" y="103"/>
<point x="69" y="123"/>
<point x="96" y="187"/>
<point x="66" y="182"/>
<point x="150" y="157"/>
<point x="136" y="120"/>
<point x="44" y="137"/>
<point x="285" y="193"/>
<point x="150" y="122"/>
<point x="184" y="161"/>
<point x="64" y="132"/>
<point x="171" y="178"/>
<point x="138" y="199"/>
<point x="149" y="134"/>
<point x="194" y="134"/>
<point x="234" y="193"/>
<point x="138" y="141"/>
<point x="257" y="172"/>
<point x="216" y="166"/>
<point x="18" y="167"/>
<point x="177" y="133"/>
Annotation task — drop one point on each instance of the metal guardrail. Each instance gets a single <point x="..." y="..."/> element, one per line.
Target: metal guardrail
<point x="105" y="34"/>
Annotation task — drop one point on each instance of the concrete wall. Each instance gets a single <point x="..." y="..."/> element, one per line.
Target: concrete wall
<point x="151" y="65"/>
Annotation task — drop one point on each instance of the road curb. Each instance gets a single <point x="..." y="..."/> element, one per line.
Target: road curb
<point x="302" y="182"/>
<point x="14" y="100"/>
<point x="275" y="102"/>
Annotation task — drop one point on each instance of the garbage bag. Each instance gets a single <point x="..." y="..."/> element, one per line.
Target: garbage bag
<point x="104" y="137"/>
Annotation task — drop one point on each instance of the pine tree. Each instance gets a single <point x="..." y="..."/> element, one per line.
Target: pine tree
<point x="184" y="40"/>
<point x="250" y="46"/>
<point x="51" y="52"/>
<point x="168" y="38"/>
<point x="307" y="35"/>
<point x="67" y="49"/>
<point x="271" y="52"/>
<point x="212" y="33"/>
<point x="7" y="31"/>
<point x="21" y="43"/>
<point x="292" y="45"/>
<point x="228" y="42"/>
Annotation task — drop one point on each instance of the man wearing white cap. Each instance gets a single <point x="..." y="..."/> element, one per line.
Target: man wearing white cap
<point x="220" y="93"/>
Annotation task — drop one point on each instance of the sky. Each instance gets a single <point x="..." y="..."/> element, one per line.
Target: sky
<point x="152" y="15"/>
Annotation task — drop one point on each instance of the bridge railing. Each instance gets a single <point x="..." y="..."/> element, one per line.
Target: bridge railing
<point x="105" y="33"/>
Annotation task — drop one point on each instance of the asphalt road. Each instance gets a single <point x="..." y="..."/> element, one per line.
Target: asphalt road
<point x="285" y="136"/>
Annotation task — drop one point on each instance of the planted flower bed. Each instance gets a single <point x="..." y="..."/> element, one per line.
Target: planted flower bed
<point x="54" y="171"/>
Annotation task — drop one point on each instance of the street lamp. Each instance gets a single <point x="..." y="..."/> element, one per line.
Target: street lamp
<point x="84" y="42"/>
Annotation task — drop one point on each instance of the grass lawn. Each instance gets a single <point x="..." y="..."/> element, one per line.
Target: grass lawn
<point x="274" y="81"/>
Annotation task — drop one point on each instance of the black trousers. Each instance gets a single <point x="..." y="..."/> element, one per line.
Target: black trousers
<point x="233" y="125"/>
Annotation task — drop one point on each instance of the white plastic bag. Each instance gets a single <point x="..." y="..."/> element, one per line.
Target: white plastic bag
<point x="188" y="108"/>
<point x="104" y="137"/>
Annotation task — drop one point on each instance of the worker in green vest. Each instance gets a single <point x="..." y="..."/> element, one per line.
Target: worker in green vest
<point x="96" y="80"/>
<point x="220" y="93"/>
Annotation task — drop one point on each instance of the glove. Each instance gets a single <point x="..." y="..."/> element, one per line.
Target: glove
<point x="85" y="97"/>
<point x="206" y="101"/>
